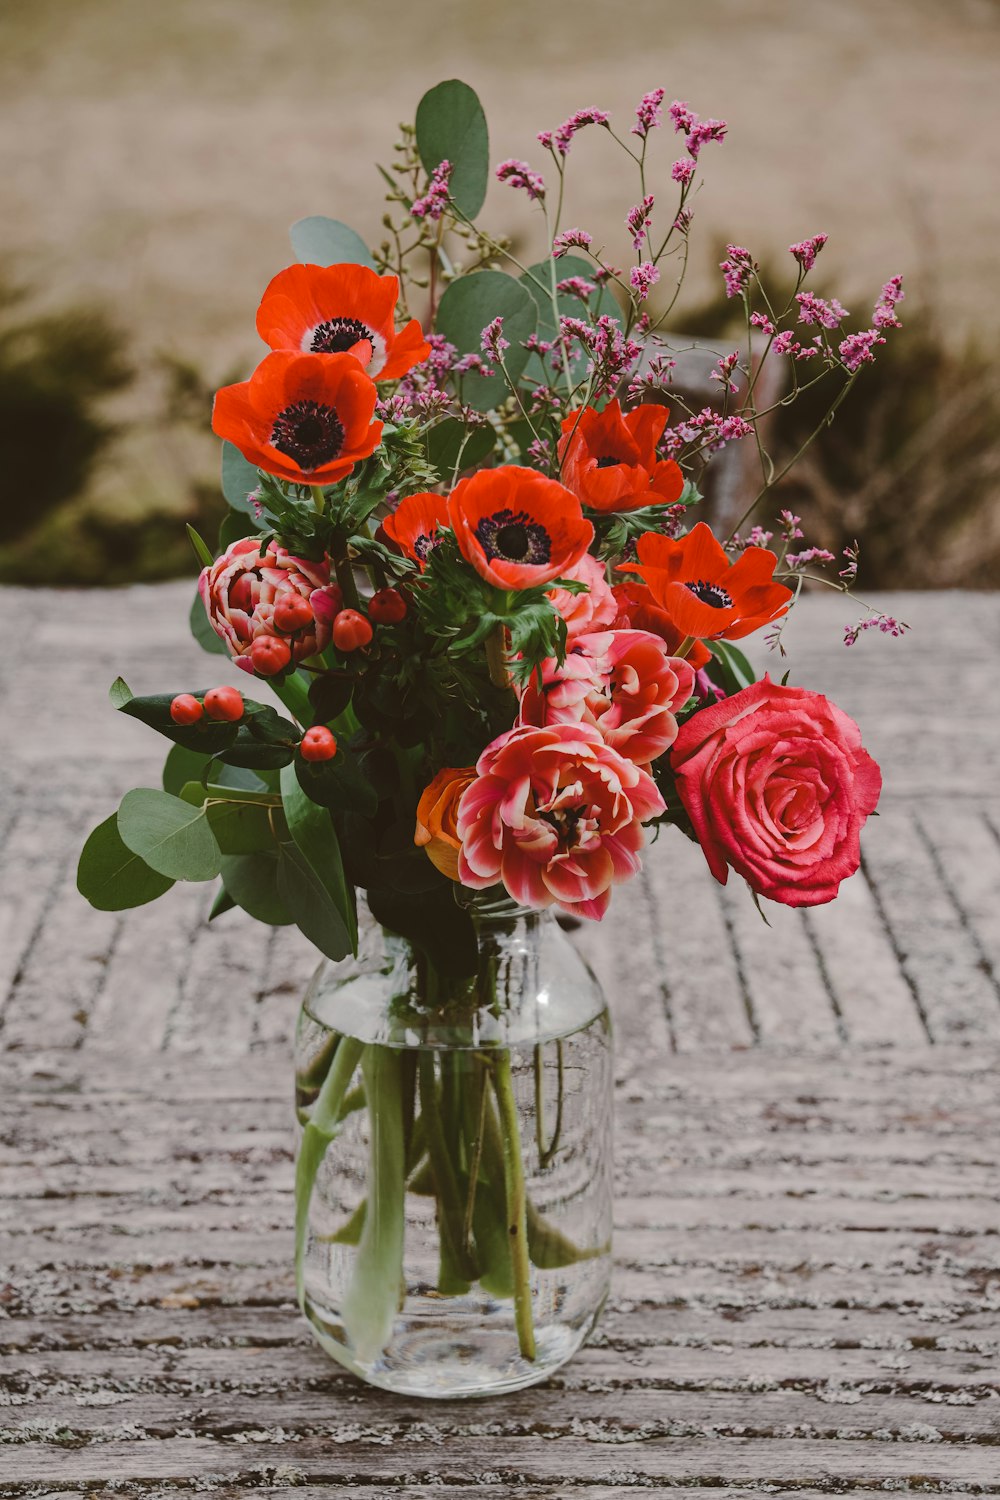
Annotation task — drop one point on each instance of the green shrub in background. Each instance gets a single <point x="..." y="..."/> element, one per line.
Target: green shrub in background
<point x="55" y="370"/>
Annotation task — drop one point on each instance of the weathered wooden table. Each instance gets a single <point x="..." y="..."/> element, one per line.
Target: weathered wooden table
<point x="807" y="1295"/>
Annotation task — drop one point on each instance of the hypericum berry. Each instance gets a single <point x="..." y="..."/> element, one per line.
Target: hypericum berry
<point x="224" y="704"/>
<point x="351" y="630"/>
<point x="185" y="709"/>
<point x="318" y="744"/>
<point x="387" y="607"/>
<point x="269" y="655"/>
<point x="291" y="613"/>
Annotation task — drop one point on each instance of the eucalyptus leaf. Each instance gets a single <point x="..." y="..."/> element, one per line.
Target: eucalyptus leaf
<point x="318" y="241"/>
<point x="451" y="443"/>
<point x="239" y="478"/>
<point x="305" y="896"/>
<point x="251" y="880"/>
<point x="181" y="766"/>
<point x="222" y="903"/>
<point x="202" y="630"/>
<point x="171" y="836"/>
<point x="467" y="307"/>
<point x="239" y="778"/>
<point x="451" y="126"/>
<point x="315" y="837"/>
<point x="339" y="784"/>
<point x="240" y="827"/>
<point x="111" y="876"/>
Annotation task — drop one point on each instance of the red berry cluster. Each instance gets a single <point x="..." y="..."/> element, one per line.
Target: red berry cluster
<point x="223" y="704"/>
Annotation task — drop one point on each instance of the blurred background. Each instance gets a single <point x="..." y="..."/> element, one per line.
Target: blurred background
<point x="152" y="157"/>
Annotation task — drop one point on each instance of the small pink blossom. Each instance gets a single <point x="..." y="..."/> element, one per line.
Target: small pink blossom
<point x="560" y="139"/>
<point x="683" y="170"/>
<point x="571" y="239"/>
<point x="518" y="174"/>
<point x="888" y="624"/>
<point x="638" y="220"/>
<point x="643" y="277"/>
<point x="737" y="269"/>
<point x="763" y="322"/>
<point x="884" y="315"/>
<point x="784" y="342"/>
<point x="493" y="342"/>
<point x="856" y="349"/>
<point x="810" y="555"/>
<point x="724" y="371"/>
<point x="806" y="251"/>
<point x="577" y="286"/>
<point x="649" y="113"/>
<point x="697" y="132"/>
<point x="434" y="202"/>
<point x="791" y="526"/>
<point x="813" y="310"/>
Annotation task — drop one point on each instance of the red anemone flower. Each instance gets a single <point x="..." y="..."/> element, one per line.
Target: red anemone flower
<point x="609" y="458"/>
<point x="707" y="596"/>
<point x="303" y="417"/>
<point x="638" y="610"/>
<point x="415" y="524"/>
<point x="341" y="309"/>
<point x="518" y="528"/>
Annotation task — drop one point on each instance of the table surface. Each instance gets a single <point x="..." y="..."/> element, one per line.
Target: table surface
<point x="807" y="1289"/>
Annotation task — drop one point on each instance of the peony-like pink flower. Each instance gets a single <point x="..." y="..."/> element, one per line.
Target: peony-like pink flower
<point x="598" y="606"/>
<point x="555" y="815"/>
<point x="778" y="786"/>
<point x="623" y="682"/>
<point x="242" y="587"/>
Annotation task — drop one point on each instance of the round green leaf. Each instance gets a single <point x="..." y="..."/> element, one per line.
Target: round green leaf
<point x="318" y="241"/>
<point x="252" y="882"/>
<point x="181" y="766"/>
<point x="170" y="835"/>
<point x="451" y="127"/>
<point x="468" y="305"/>
<point x="239" y="477"/>
<point x="111" y="877"/>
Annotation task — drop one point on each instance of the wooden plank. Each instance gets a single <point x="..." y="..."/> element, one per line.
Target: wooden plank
<point x="936" y="951"/>
<point x="964" y="844"/>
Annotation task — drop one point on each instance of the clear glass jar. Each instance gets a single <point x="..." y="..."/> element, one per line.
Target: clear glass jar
<point x="453" y="1184"/>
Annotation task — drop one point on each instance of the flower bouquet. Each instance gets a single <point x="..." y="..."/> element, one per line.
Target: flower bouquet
<point x="464" y="553"/>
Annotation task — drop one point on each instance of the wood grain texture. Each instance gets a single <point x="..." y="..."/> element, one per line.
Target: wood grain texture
<point x="807" y="1291"/>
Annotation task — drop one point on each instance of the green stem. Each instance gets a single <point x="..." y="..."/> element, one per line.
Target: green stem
<point x="499" y="675"/>
<point x="456" y="1271"/>
<point x="517" y="1228"/>
<point x="373" y="1297"/>
<point x="319" y="1131"/>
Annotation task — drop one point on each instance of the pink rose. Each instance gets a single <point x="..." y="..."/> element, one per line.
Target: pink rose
<point x="590" y="610"/>
<point x="624" y="682"/>
<point x="555" y="814"/>
<point x="777" y="785"/>
<point x="240" y="591"/>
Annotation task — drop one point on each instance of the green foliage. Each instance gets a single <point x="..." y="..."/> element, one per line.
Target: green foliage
<point x="319" y="241"/>
<point x="263" y="739"/>
<point x="251" y="881"/>
<point x="330" y="899"/>
<point x="182" y="766"/>
<point x="111" y="876"/>
<point x="168" y="834"/>
<point x="451" y="443"/>
<point x="451" y="126"/>
<point x="730" y="669"/>
<point x="202" y="630"/>
<point x="538" y="281"/>
<point x="467" y="307"/>
<point x="239" y="478"/>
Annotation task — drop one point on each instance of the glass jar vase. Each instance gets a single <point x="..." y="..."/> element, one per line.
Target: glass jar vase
<point x="453" y="1180"/>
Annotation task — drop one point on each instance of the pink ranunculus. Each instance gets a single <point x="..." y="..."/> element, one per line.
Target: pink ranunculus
<point x="778" y="786"/>
<point x="624" y="682"/>
<point x="242" y="587"/>
<point x="589" y="611"/>
<point x="555" y="815"/>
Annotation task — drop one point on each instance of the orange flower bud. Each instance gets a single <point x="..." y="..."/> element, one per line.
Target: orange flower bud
<point x="437" y="818"/>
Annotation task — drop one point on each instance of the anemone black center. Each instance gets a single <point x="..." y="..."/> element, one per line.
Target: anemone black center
<point x="308" y="432"/>
<point x="339" y="334"/>
<point x="424" y="544"/>
<point x="607" y="462"/>
<point x="512" y="536"/>
<point x="711" y="593"/>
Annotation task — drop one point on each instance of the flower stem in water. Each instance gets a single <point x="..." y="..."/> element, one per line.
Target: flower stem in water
<point x="513" y="1169"/>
